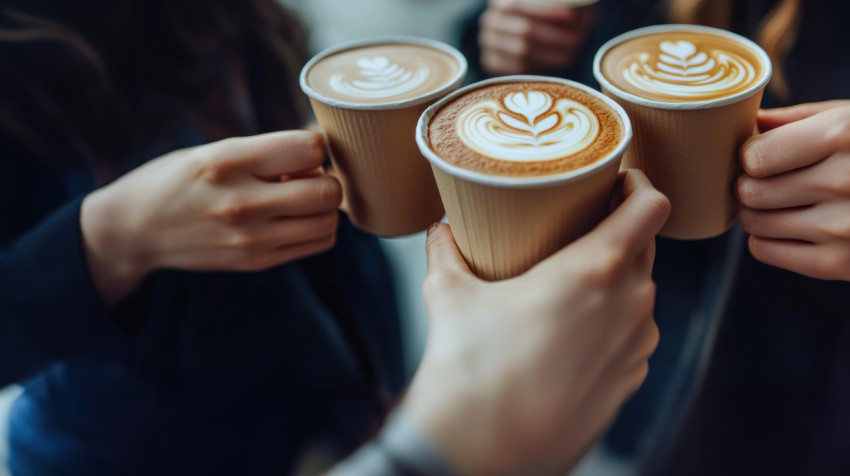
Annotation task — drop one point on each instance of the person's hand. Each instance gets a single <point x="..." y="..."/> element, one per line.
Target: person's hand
<point x="240" y="204"/>
<point x="518" y="37"/>
<point x="522" y="376"/>
<point x="795" y="190"/>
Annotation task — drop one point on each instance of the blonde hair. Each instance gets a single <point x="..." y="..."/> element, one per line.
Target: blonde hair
<point x="777" y="32"/>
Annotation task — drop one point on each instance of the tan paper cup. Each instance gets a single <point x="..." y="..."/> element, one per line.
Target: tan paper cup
<point x="505" y="225"/>
<point x="388" y="188"/>
<point x="689" y="150"/>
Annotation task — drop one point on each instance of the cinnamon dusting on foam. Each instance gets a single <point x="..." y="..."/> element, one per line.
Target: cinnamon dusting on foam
<point x="524" y="129"/>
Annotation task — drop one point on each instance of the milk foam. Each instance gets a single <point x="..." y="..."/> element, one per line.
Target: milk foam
<point x="383" y="72"/>
<point x="682" y="69"/>
<point x="528" y="126"/>
<point x="379" y="78"/>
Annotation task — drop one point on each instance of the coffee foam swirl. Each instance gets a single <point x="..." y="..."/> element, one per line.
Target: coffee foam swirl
<point x="680" y="69"/>
<point x="528" y="126"/>
<point x="382" y="73"/>
<point x="524" y="127"/>
<point x="682" y="64"/>
<point x="381" y="79"/>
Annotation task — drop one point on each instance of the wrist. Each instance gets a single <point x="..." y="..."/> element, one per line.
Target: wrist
<point x="113" y="252"/>
<point x="465" y="429"/>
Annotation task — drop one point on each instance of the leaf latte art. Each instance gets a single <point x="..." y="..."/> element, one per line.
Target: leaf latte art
<point x="681" y="69"/>
<point x="381" y="78"/>
<point x="528" y="126"/>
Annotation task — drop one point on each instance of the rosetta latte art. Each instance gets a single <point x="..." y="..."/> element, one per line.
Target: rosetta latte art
<point x="683" y="71"/>
<point x="381" y="78"/>
<point x="528" y="126"/>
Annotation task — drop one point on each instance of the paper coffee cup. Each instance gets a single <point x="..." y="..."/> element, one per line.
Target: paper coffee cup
<point x="388" y="188"/>
<point x="689" y="150"/>
<point x="505" y="225"/>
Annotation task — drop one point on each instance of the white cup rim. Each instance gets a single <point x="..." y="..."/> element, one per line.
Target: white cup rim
<point x="405" y="40"/>
<point x="616" y="91"/>
<point x="520" y="182"/>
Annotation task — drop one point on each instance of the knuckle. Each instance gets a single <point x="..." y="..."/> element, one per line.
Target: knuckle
<point x="748" y="219"/>
<point x="752" y="159"/>
<point x="643" y="305"/>
<point x="658" y="202"/>
<point x="240" y="240"/>
<point x="230" y="210"/>
<point x="314" y="146"/>
<point x="327" y="243"/>
<point x="841" y="178"/>
<point x="839" y="230"/>
<point x="329" y="222"/>
<point x="838" y="134"/>
<point x="749" y="192"/>
<point x="438" y="283"/>
<point x="605" y="268"/>
<point x="206" y="166"/>
<point x="328" y="193"/>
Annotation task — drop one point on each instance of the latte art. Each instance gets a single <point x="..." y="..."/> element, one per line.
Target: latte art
<point x="524" y="126"/>
<point x="680" y="69"/>
<point x="384" y="73"/>
<point x="528" y="126"/>
<point x="380" y="78"/>
<point x="682" y="64"/>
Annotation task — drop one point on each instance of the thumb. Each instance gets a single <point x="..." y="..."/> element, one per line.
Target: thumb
<point x="772" y="118"/>
<point x="442" y="251"/>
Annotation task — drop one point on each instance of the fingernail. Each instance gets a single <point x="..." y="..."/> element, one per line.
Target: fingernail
<point x="433" y="227"/>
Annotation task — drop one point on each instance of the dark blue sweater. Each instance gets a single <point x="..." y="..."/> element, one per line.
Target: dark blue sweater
<point x="195" y="373"/>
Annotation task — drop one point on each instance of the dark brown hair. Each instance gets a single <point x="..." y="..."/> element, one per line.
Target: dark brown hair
<point x="88" y="80"/>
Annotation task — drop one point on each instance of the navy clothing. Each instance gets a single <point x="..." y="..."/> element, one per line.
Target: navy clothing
<point x="752" y="372"/>
<point x="194" y="373"/>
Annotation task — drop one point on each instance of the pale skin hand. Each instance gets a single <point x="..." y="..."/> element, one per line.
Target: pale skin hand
<point x="796" y="189"/>
<point x="522" y="376"/>
<point x="517" y="37"/>
<point x="241" y="204"/>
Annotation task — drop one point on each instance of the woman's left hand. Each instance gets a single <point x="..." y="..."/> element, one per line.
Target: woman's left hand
<point x="795" y="190"/>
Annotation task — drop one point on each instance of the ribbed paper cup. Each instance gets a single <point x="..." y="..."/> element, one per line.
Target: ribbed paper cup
<point x="388" y="188"/>
<point x="689" y="150"/>
<point x="505" y="225"/>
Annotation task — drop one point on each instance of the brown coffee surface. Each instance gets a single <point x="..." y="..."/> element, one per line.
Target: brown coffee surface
<point x="385" y="73"/>
<point x="525" y="129"/>
<point x="683" y="66"/>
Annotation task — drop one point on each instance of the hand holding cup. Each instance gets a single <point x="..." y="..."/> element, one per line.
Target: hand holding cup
<point x="240" y="204"/>
<point x="795" y="190"/>
<point x="522" y="376"/>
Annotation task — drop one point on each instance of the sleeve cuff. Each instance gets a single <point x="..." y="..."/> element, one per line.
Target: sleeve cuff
<point x="49" y="308"/>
